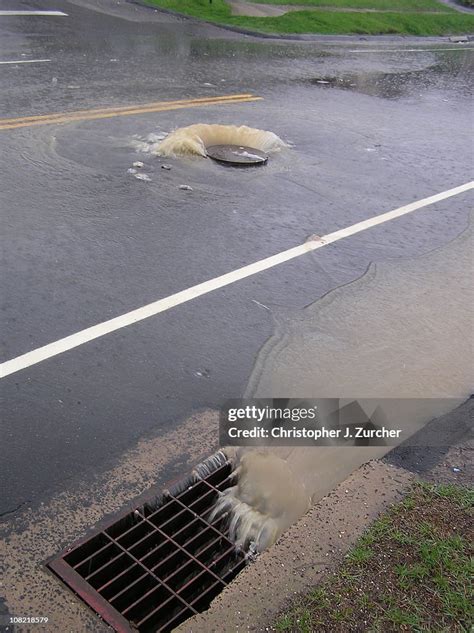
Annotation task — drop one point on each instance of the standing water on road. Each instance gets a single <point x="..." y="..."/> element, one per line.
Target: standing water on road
<point x="402" y="331"/>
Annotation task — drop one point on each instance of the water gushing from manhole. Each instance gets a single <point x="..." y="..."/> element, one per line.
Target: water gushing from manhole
<point x="194" y="139"/>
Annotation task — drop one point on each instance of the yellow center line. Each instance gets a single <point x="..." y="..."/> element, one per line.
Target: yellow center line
<point x="103" y="113"/>
<point x="125" y="108"/>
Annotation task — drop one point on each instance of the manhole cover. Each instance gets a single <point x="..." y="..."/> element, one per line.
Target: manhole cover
<point x="237" y="154"/>
<point x="161" y="563"/>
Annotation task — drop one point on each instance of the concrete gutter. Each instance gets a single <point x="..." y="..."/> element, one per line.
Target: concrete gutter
<point x="305" y="554"/>
<point x="314" y="546"/>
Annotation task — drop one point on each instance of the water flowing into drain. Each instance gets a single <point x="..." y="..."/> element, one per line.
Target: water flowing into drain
<point x="400" y="335"/>
<point x="267" y="498"/>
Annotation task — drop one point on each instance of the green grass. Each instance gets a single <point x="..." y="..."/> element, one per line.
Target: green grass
<point x="411" y="571"/>
<point x="380" y="5"/>
<point x="360" y="23"/>
<point x="327" y="22"/>
<point x="360" y="554"/>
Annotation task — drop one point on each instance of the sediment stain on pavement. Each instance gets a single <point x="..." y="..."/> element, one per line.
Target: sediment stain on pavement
<point x="39" y="532"/>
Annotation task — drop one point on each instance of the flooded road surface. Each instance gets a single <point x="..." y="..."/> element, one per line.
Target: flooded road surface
<point x="369" y="127"/>
<point x="402" y="330"/>
<point x="401" y="334"/>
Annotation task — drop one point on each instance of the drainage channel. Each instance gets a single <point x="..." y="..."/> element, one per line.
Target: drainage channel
<point x="161" y="563"/>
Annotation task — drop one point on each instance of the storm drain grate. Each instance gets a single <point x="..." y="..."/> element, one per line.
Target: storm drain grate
<point x="160" y="563"/>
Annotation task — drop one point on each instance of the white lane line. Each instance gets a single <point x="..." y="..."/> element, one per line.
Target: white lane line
<point x="26" y="61"/>
<point x="32" y="13"/>
<point x="410" y="50"/>
<point x="101" y="329"/>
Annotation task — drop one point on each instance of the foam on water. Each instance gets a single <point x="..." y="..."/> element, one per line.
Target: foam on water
<point x="194" y="139"/>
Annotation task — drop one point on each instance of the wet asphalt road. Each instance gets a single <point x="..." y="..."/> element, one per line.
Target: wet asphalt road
<point x="84" y="241"/>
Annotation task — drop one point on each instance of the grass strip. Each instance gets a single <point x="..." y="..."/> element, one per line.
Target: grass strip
<point x="326" y="22"/>
<point x="411" y="571"/>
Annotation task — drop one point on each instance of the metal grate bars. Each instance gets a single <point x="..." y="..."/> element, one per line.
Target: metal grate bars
<point x="161" y="563"/>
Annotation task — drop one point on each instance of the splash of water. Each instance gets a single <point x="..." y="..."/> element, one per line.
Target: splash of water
<point x="193" y="139"/>
<point x="212" y="463"/>
<point x="266" y="500"/>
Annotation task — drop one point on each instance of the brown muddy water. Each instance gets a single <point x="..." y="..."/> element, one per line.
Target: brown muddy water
<point x="194" y="139"/>
<point x="401" y="332"/>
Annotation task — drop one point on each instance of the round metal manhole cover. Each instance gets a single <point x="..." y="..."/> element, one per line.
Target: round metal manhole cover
<point x="237" y="154"/>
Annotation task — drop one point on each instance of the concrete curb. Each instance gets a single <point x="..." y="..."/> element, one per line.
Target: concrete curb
<point x="302" y="37"/>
